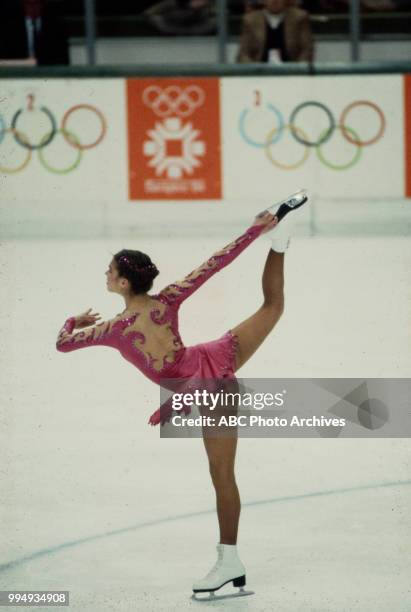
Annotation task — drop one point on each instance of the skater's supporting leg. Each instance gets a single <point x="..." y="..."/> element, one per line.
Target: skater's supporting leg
<point x="221" y="457"/>
<point x="253" y="331"/>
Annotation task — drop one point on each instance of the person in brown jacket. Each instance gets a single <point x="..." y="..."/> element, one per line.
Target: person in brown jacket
<point x="280" y="32"/>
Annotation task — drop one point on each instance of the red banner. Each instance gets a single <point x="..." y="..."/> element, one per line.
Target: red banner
<point x="174" y="139"/>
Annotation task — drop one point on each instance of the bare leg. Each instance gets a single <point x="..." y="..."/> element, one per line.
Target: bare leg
<point x="221" y="451"/>
<point x="253" y="331"/>
<point x="221" y="457"/>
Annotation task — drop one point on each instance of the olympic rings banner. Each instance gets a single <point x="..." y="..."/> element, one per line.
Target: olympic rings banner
<point x="58" y="139"/>
<point x="338" y="136"/>
<point x="234" y="138"/>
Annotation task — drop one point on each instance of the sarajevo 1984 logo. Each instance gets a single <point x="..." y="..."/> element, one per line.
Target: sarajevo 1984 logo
<point x="173" y="145"/>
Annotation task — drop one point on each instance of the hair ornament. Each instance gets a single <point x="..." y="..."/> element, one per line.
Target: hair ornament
<point x="133" y="267"/>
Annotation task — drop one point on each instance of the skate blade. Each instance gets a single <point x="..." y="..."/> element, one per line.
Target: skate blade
<point x="301" y="193"/>
<point x="212" y="597"/>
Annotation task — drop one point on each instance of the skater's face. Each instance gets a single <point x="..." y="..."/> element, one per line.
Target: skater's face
<point x="115" y="282"/>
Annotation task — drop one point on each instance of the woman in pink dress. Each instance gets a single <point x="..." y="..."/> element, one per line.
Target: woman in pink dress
<point x="146" y="334"/>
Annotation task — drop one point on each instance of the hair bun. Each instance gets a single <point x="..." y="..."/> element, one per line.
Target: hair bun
<point x="137" y="268"/>
<point x="149" y="271"/>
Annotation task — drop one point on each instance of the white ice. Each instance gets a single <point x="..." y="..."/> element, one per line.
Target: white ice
<point x="96" y="503"/>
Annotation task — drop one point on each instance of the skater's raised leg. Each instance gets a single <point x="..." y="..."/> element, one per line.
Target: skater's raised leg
<point x="253" y="331"/>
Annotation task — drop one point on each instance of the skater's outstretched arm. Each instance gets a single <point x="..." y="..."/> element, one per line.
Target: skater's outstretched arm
<point x="176" y="293"/>
<point x="92" y="336"/>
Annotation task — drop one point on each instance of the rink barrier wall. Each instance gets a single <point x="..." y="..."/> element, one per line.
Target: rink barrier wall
<point x="191" y="70"/>
<point x="113" y="153"/>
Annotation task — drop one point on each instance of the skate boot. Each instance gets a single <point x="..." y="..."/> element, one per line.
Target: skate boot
<point x="282" y="231"/>
<point x="228" y="568"/>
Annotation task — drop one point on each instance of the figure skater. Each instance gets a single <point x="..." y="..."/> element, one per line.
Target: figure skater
<point x="146" y="334"/>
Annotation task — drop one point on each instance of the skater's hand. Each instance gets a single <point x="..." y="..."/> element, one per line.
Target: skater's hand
<point x="267" y="219"/>
<point x="87" y="318"/>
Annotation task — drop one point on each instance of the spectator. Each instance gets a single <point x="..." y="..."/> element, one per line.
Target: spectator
<point x="32" y="29"/>
<point x="252" y="5"/>
<point x="52" y="46"/>
<point x="12" y="31"/>
<point x="277" y="33"/>
<point x="33" y="14"/>
<point x="195" y="17"/>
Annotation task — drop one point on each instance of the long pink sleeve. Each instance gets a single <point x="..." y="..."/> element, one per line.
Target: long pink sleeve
<point x="92" y="336"/>
<point x="176" y="293"/>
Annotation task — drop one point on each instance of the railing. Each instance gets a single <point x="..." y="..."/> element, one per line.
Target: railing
<point x="170" y="70"/>
<point x="87" y="21"/>
<point x="223" y="33"/>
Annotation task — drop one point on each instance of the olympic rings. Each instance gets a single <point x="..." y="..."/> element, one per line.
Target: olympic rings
<point x="197" y="91"/>
<point x="349" y="164"/>
<point x="251" y="141"/>
<point x="326" y="134"/>
<point x="380" y="114"/>
<point x="72" y="139"/>
<point x="350" y="135"/>
<point x="76" y="143"/>
<point x="2" y="129"/>
<point x="22" y="136"/>
<point x="27" y="144"/>
<point x="173" y="100"/>
<point x="281" y="165"/>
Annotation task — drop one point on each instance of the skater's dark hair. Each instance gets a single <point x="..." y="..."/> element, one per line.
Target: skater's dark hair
<point x="137" y="268"/>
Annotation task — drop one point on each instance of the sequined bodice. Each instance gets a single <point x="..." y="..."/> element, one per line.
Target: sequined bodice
<point x="149" y="338"/>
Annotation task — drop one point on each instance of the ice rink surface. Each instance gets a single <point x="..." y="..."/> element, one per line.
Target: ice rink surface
<point x="96" y="503"/>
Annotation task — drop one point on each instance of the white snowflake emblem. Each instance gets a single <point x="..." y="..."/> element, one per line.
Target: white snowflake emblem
<point x="174" y="148"/>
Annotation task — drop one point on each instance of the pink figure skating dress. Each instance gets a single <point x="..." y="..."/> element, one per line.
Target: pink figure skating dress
<point x="150" y="339"/>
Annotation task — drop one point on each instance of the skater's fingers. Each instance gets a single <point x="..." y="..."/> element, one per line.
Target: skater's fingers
<point x="270" y="219"/>
<point x="265" y="218"/>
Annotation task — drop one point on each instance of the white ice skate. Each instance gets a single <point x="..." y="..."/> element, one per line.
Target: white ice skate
<point x="282" y="231"/>
<point x="228" y="568"/>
